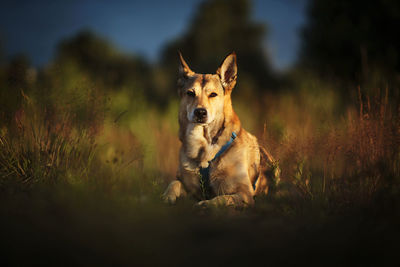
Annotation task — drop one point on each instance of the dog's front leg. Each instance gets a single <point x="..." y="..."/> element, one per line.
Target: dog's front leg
<point x="174" y="190"/>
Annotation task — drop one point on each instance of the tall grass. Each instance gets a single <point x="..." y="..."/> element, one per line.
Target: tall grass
<point x="44" y="148"/>
<point x="348" y="160"/>
<point x="51" y="146"/>
<point x="335" y="160"/>
<point x="85" y="189"/>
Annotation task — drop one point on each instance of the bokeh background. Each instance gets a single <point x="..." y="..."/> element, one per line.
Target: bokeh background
<point x="88" y="130"/>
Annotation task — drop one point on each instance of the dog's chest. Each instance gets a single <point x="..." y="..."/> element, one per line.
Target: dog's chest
<point x="198" y="144"/>
<point x="198" y="151"/>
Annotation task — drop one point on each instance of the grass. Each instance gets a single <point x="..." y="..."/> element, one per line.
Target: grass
<point x="87" y="191"/>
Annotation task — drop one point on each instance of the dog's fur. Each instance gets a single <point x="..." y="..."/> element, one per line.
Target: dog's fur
<point x="233" y="174"/>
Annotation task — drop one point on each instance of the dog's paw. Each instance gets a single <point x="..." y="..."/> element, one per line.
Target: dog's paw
<point x="202" y="204"/>
<point x="168" y="198"/>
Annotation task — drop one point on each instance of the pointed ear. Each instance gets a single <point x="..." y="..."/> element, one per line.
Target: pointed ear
<point x="228" y="72"/>
<point x="184" y="70"/>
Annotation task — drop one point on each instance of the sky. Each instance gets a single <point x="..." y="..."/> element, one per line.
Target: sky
<point x="35" y="27"/>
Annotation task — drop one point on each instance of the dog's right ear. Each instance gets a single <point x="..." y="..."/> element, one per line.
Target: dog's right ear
<point x="184" y="70"/>
<point x="228" y="72"/>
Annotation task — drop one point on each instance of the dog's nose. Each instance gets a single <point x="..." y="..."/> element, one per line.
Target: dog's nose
<point x="200" y="113"/>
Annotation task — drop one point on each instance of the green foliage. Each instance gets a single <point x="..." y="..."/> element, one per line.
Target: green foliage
<point x="97" y="58"/>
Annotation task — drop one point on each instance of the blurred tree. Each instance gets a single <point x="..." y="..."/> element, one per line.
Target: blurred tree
<point x="87" y="67"/>
<point x="218" y="28"/>
<point x="86" y="71"/>
<point x="13" y="80"/>
<point x="17" y="72"/>
<point x="98" y="58"/>
<point x="352" y="40"/>
<point x="1" y="51"/>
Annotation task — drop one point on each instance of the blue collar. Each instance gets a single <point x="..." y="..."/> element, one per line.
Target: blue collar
<point x="205" y="172"/>
<point x="225" y="147"/>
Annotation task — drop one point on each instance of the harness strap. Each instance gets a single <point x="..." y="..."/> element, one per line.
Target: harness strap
<point x="255" y="182"/>
<point x="225" y="147"/>
<point x="205" y="172"/>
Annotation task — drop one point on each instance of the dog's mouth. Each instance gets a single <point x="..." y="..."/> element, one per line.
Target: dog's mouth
<point x="200" y="120"/>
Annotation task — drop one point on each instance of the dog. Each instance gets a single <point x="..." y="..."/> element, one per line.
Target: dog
<point x="220" y="163"/>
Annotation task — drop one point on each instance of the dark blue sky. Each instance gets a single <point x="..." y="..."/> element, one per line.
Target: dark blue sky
<point x="35" y="27"/>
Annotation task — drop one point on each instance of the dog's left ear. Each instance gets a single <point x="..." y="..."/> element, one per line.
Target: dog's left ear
<point x="184" y="70"/>
<point x="228" y="72"/>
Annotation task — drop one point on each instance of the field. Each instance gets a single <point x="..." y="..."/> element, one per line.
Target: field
<point x="89" y="135"/>
<point x="82" y="175"/>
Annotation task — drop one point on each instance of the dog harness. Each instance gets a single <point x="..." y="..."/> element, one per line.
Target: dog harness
<point x="205" y="172"/>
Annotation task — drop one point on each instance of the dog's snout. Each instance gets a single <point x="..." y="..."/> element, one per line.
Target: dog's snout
<point x="200" y="113"/>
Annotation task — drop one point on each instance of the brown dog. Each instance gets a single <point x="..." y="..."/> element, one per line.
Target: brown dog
<point x="219" y="162"/>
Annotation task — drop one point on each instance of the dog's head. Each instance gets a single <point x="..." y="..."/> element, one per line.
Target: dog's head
<point x="204" y="95"/>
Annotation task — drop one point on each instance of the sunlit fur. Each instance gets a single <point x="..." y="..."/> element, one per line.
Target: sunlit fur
<point x="233" y="174"/>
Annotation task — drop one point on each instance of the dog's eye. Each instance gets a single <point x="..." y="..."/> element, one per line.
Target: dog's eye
<point x="191" y="93"/>
<point x="212" y="95"/>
